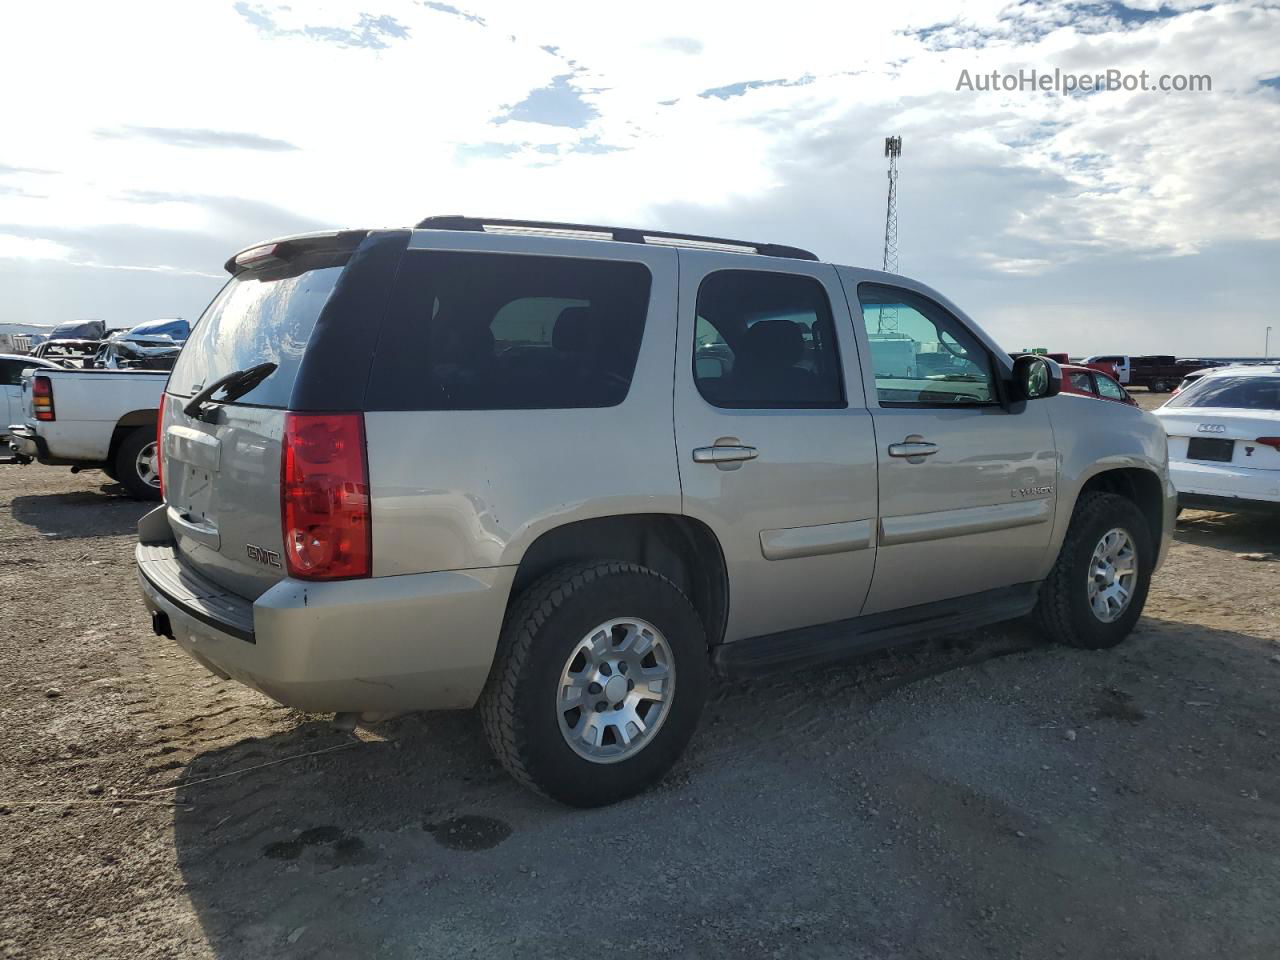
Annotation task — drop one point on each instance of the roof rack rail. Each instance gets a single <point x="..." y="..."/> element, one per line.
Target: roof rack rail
<point x="620" y="234"/>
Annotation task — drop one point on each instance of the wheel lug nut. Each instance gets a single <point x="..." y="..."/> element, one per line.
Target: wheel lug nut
<point x="631" y="684"/>
<point x="602" y="706"/>
<point x="594" y="687"/>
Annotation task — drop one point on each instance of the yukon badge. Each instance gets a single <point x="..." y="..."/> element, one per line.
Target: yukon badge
<point x="268" y="558"/>
<point x="1022" y="492"/>
<point x="1212" y="428"/>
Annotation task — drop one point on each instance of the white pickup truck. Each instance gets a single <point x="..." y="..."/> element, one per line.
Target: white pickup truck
<point x="93" y="419"/>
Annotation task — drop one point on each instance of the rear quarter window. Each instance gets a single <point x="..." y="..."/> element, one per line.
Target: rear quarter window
<point x="492" y="331"/>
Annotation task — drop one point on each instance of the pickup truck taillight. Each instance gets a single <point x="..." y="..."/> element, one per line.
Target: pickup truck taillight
<point x="42" y="398"/>
<point x="324" y="496"/>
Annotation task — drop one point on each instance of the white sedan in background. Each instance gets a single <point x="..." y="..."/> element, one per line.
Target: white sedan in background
<point x="1224" y="439"/>
<point x="11" y="367"/>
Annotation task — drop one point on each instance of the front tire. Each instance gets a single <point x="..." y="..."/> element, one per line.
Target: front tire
<point x="1098" y="586"/>
<point x="136" y="464"/>
<point x="599" y="680"/>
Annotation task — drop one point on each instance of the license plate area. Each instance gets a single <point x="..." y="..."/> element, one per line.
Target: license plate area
<point x="1210" y="449"/>
<point x="192" y="459"/>
<point x="194" y="497"/>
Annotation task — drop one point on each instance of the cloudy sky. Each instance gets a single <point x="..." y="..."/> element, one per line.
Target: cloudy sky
<point x="145" y="142"/>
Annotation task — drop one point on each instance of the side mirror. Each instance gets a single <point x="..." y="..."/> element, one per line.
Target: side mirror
<point x="1035" y="377"/>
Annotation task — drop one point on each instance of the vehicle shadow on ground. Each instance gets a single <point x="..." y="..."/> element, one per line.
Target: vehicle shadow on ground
<point x="1234" y="532"/>
<point x="414" y="842"/>
<point x="107" y="513"/>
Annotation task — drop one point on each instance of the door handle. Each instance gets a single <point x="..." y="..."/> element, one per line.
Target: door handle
<point x="726" y="453"/>
<point x="914" y="449"/>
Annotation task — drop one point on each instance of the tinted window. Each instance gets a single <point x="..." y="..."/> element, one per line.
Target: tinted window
<point x="484" y="331"/>
<point x="259" y="317"/>
<point x="765" y="340"/>
<point x="1081" y="381"/>
<point x="1109" y="388"/>
<point x="922" y="355"/>
<point x="1242" y="393"/>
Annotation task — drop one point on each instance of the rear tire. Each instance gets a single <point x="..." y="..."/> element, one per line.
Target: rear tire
<point x="580" y="625"/>
<point x="1079" y="584"/>
<point x="135" y="464"/>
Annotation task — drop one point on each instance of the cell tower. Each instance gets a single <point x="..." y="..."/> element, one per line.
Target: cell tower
<point x="892" y="150"/>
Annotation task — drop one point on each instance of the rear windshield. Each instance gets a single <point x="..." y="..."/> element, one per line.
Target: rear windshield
<point x="1241" y="393"/>
<point x="258" y="317"/>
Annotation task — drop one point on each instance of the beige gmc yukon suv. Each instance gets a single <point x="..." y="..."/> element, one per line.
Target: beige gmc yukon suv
<point x="567" y="473"/>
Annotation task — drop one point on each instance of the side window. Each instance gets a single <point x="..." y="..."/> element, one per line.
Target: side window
<point x="1081" y="381"/>
<point x="491" y="331"/>
<point x="1109" y="388"/>
<point x="922" y="355"/>
<point x="765" y="340"/>
<point x="10" y="373"/>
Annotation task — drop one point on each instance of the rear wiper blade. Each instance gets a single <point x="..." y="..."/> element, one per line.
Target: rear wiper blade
<point x="234" y="384"/>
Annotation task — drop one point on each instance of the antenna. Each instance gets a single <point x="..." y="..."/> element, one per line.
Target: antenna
<point x="892" y="150"/>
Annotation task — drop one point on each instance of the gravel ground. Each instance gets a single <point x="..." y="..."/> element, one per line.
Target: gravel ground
<point x="984" y="795"/>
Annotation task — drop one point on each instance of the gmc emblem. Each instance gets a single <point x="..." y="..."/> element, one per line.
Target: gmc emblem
<point x="268" y="558"/>
<point x="1212" y="428"/>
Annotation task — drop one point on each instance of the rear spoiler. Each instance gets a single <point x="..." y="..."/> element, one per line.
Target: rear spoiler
<point x="276" y="252"/>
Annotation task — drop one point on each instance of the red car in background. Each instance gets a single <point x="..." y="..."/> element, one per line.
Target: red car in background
<point x="1086" y="382"/>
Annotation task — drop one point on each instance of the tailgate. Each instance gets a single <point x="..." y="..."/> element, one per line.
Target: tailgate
<point x="222" y="493"/>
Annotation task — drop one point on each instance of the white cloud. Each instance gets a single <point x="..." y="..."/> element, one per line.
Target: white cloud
<point x="28" y="248"/>
<point x="165" y="136"/>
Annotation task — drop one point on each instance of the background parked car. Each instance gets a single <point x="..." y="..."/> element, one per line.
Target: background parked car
<point x="93" y="419"/>
<point x="1224" y="439"/>
<point x="79" y="330"/>
<point x="1085" y="382"/>
<point x="1191" y="378"/>
<point x="11" y="367"/>
<point x="152" y="345"/>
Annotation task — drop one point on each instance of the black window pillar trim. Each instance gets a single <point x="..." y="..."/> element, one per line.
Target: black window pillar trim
<point x="335" y="369"/>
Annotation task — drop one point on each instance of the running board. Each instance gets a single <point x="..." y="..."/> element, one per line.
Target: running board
<point x="826" y="642"/>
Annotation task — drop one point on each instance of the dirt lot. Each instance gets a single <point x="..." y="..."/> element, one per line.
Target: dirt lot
<point x="978" y="796"/>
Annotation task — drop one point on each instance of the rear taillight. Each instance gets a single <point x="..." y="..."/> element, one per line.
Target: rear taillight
<point x="1273" y="442"/>
<point x="324" y="496"/>
<point x="160" y="445"/>
<point x="42" y="398"/>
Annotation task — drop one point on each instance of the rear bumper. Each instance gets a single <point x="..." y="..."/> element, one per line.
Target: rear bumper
<point x="1224" y="482"/>
<point x="387" y="644"/>
<point x="24" y="442"/>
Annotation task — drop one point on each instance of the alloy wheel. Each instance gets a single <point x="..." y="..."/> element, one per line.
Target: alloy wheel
<point x="615" y="690"/>
<point x="1113" y="574"/>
